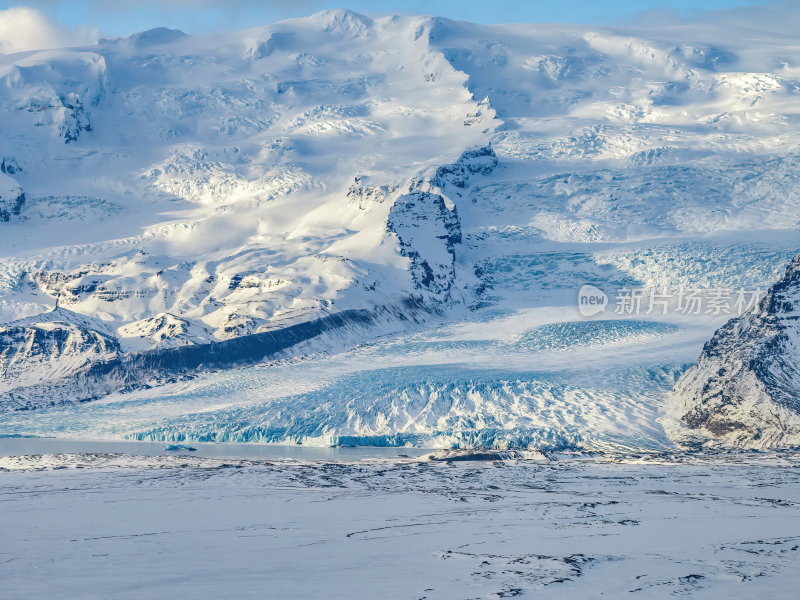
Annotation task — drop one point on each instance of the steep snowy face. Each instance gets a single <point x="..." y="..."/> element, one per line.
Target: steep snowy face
<point x="11" y="198"/>
<point x="745" y="388"/>
<point x="51" y="90"/>
<point x="427" y="231"/>
<point x="32" y="351"/>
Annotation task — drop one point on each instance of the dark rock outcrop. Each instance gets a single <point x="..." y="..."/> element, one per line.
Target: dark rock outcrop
<point x="745" y="388"/>
<point x="9" y="165"/>
<point x="11" y="199"/>
<point x="427" y="231"/>
<point x="481" y="161"/>
<point x="426" y="222"/>
<point x="33" y="352"/>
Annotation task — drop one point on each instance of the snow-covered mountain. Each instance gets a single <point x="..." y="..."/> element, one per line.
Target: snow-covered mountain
<point x="745" y="388"/>
<point x="172" y="204"/>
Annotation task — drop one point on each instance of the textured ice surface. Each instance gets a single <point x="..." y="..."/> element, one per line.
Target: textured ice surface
<point x="511" y="381"/>
<point x="525" y="378"/>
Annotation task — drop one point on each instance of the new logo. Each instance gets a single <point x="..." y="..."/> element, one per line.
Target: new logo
<point x="591" y="300"/>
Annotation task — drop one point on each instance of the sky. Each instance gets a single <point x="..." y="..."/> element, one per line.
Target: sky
<point x="121" y="17"/>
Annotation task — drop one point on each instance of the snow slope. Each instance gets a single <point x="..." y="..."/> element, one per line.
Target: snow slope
<point x="299" y="188"/>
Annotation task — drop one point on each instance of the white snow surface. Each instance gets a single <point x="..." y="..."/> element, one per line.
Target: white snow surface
<point x="660" y="527"/>
<point x="185" y="189"/>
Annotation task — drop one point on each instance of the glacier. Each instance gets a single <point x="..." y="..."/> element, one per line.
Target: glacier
<point x="371" y="231"/>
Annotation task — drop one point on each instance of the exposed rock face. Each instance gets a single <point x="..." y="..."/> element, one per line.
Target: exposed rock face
<point x="11" y="198"/>
<point x="480" y="161"/>
<point x="49" y="348"/>
<point x="9" y="165"/>
<point x="745" y="388"/>
<point x="364" y="196"/>
<point x="65" y="112"/>
<point x="427" y="231"/>
<point x="74" y="119"/>
<point x="166" y="330"/>
<point x="427" y="225"/>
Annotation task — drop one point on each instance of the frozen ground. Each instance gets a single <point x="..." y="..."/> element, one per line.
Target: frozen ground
<point x="657" y="526"/>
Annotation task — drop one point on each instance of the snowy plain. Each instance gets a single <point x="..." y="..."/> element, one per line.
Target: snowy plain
<point x="122" y="526"/>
